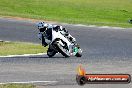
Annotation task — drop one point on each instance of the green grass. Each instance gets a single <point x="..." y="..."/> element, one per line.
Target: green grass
<point x="98" y="12"/>
<point x="18" y="48"/>
<point x="17" y="86"/>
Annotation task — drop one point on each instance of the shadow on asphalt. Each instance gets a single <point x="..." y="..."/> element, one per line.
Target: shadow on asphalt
<point x="46" y="57"/>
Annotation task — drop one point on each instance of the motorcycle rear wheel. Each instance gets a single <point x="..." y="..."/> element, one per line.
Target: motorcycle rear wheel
<point x="79" y="53"/>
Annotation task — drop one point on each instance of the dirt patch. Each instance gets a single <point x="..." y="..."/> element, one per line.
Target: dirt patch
<point x="27" y="19"/>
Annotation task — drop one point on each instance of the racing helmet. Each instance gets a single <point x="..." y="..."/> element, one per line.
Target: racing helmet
<point x="41" y="25"/>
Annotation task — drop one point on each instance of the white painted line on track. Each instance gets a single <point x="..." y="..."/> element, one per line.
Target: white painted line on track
<point x="23" y="55"/>
<point x="29" y="82"/>
<point x="94" y="26"/>
<point x="104" y="27"/>
<point x="20" y="55"/>
<point x="108" y="27"/>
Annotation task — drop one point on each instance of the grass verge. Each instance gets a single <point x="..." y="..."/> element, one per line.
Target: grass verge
<point x="19" y="48"/>
<point x="95" y="12"/>
<point x="17" y="86"/>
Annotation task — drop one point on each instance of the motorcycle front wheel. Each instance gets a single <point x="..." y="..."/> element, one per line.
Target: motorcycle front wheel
<point x="51" y="52"/>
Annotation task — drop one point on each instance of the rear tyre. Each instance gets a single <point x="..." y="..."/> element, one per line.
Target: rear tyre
<point x="79" y="53"/>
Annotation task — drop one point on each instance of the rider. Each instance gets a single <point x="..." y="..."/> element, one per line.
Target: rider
<point x="42" y="26"/>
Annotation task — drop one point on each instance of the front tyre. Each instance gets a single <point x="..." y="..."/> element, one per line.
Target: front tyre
<point x="51" y="52"/>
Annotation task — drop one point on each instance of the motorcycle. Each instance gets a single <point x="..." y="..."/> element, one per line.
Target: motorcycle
<point x="59" y="43"/>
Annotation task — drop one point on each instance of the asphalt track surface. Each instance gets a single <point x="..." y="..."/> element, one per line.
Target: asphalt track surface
<point x="105" y="50"/>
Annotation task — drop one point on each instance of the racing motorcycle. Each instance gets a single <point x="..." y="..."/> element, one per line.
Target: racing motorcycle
<point x="58" y="43"/>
